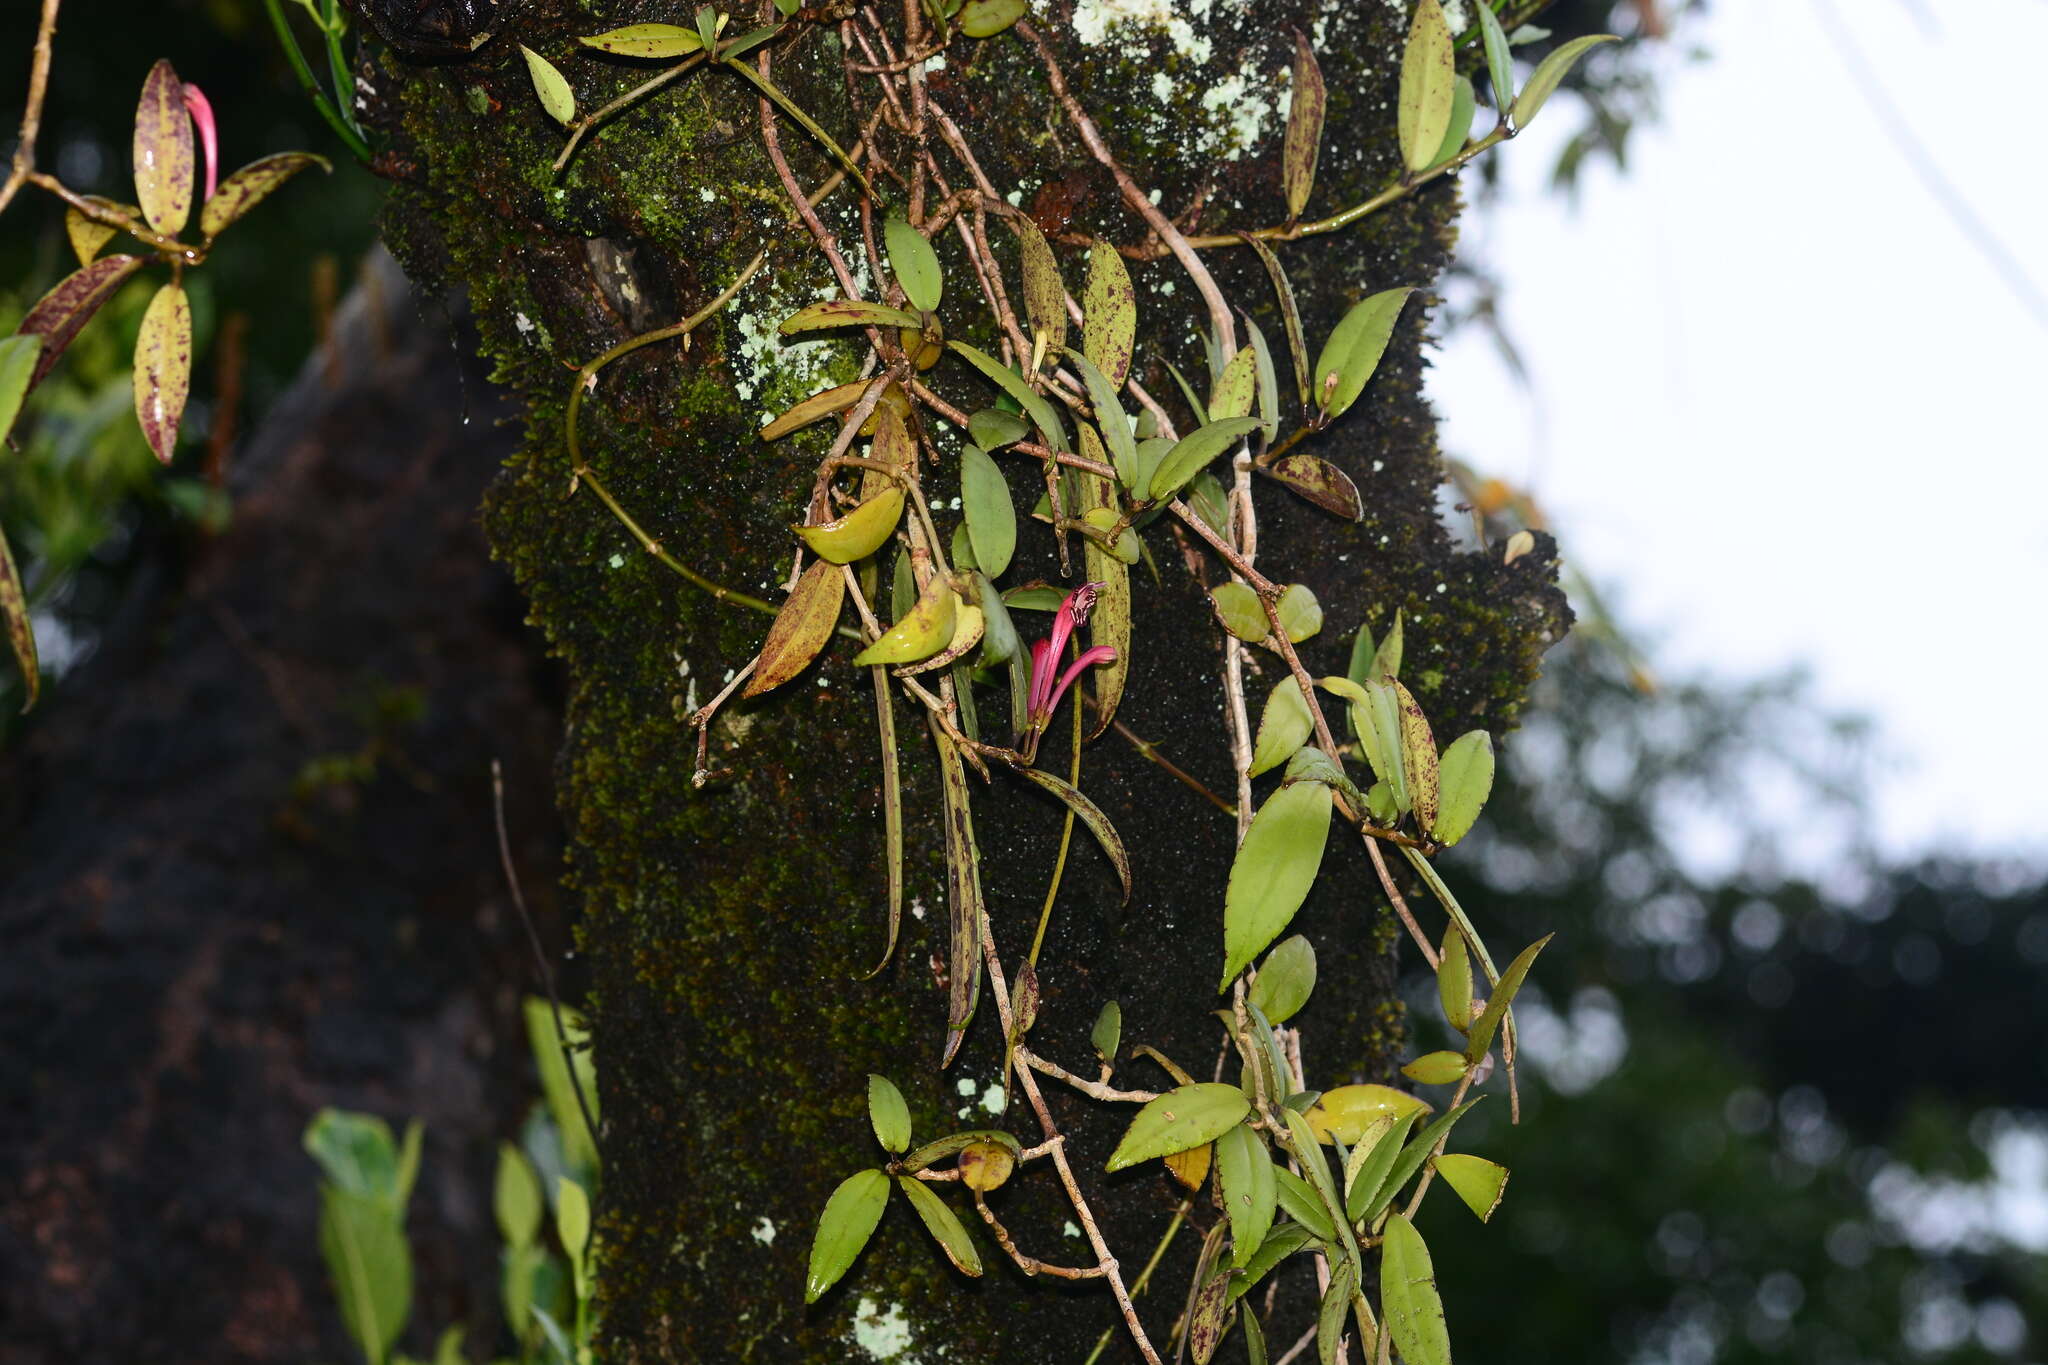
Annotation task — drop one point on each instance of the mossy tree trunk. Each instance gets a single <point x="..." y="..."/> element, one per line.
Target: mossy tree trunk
<point x="727" y="927"/>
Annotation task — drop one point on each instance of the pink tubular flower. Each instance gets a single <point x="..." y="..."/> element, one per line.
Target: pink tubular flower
<point x="201" y="109"/>
<point x="1043" y="697"/>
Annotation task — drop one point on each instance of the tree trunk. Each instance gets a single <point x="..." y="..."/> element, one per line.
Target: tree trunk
<point x="728" y="926"/>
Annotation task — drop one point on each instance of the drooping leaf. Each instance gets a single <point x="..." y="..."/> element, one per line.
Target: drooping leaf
<point x="1186" y="1116"/>
<point x="250" y="186"/>
<point x="1477" y="1181"/>
<point x="1267" y="378"/>
<point x="553" y="88"/>
<point x="1109" y="313"/>
<point x="1437" y="1068"/>
<point x="1274" y="868"/>
<point x="1343" y="1114"/>
<point x="1236" y="389"/>
<point x="1286" y="979"/>
<point x="1110" y="418"/>
<point x="1413" y="1153"/>
<point x="963" y="892"/>
<point x="1418" y="758"/>
<point x="1335" y="1308"/>
<point x="1000" y="641"/>
<point x="844" y="1228"/>
<point x="370" y="1267"/>
<point x="991" y="516"/>
<point x="70" y="304"/>
<point x="1244" y="1170"/>
<point x="516" y="1199"/>
<point x="1110" y="623"/>
<point x="1454" y="979"/>
<point x="1500" y="62"/>
<point x="1035" y="407"/>
<point x="1319" y="481"/>
<point x="652" y="41"/>
<point x="1304" y="127"/>
<point x="1297" y="348"/>
<point x="1284" y="726"/>
<point x="939" y="1149"/>
<point x="860" y="532"/>
<point x="88" y="235"/>
<point x="801" y="628"/>
<point x="1428" y="72"/>
<point x="922" y="632"/>
<point x="1355" y="346"/>
<point x="1192" y="453"/>
<point x="1466" y="779"/>
<point x="1408" y="1296"/>
<point x="1550" y="74"/>
<point x="1254" y="1338"/>
<point x="21" y="635"/>
<point x="915" y="263"/>
<point x="1045" y="294"/>
<point x="1091" y="815"/>
<point x="163" y="368"/>
<point x="818" y="406"/>
<point x="1481" y="1036"/>
<point x="942" y="1224"/>
<point x="1301" y="616"/>
<point x="889" y="1114"/>
<point x="163" y="151"/>
<point x="847" y="313"/>
<point x="1299" y="1201"/>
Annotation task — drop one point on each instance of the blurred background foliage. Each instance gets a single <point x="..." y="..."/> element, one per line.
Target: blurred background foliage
<point x="1784" y="1102"/>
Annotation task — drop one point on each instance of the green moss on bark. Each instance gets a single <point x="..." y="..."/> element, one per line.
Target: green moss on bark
<point x="726" y="926"/>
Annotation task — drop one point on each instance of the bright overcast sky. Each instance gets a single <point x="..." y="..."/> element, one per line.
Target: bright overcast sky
<point x="1783" y="409"/>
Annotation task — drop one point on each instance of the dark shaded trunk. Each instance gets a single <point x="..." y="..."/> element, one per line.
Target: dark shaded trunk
<point x="728" y="926"/>
<point x="249" y="871"/>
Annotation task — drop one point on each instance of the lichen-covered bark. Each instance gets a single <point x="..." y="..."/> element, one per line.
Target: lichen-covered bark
<point x="727" y="927"/>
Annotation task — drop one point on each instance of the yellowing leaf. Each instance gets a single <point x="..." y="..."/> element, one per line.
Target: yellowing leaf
<point x="555" y="95"/>
<point x="1274" y="868"/>
<point x="1186" y="1116"/>
<point x="1428" y="75"/>
<point x="1418" y="758"/>
<point x="1191" y="1167"/>
<point x="1466" y="778"/>
<point x="1109" y="313"/>
<point x="250" y="186"/>
<point x="646" y="40"/>
<point x="987" y="18"/>
<point x="818" y="406"/>
<point x="847" y="313"/>
<point x="88" y="235"/>
<point x="860" y="532"/>
<point x="1550" y="74"/>
<point x="925" y="630"/>
<point x="1342" y="1115"/>
<point x="1284" y="726"/>
<point x="163" y="368"/>
<point x="21" y="634"/>
<point x="1477" y="1181"/>
<point x="1045" y="294"/>
<point x="163" y="151"/>
<point x="801" y="628"/>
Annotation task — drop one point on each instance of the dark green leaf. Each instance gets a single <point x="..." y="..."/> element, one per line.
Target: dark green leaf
<point x="1463" y="106"/>
<point x="1355" y="346"/>
<point x="1500" y="63"/>
<point x="844" y="1228"/>
<point x="1184" y="1117"/>
<point x="1110" y="418"/>
<point x="999" y="642"/>
<point x="992" y="428"/>
<point x="991" y="517"/>
<point x="1108" y="1031"/>
<point x="1481" y="1037"/>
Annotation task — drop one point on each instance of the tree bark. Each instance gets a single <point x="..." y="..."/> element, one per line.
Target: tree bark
<point x="728" y="927"/>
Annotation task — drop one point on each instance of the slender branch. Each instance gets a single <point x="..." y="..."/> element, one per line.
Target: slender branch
<point x="32" y="106"/>
<point x="596" y="116"/>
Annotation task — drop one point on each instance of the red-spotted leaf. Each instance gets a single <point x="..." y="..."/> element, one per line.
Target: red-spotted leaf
<point x="163" y="368"/>
<point x="59" y="314"/>
<point x="163" y="151"/>
<point x="251" y="185"/>
<point x="1304" y="127"/>
<point x="801" y="628"/>
<point x="1321" y="482"/>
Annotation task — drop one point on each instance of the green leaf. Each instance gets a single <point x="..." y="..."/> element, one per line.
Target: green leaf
<point x="915" y="264"/>
<point x="1355" y="346"/>
<point x="1034" y="597"/>
<point x="1186" y="1116"/>
<point x="1428" y="71"/>
<point x="1481" y="1036"/>
<point x="1286" y="979"/>
<point x="938" y="1150"/>
<point x="1408" y="1297"/>
<point x="1268" y="383"/>
<point x="1500" y="63"/>
<point x="1301" y="616"/>
<point x="1386" y="662"/>
<point x="1379" y="1146"/>
<point x="1477" y="1181"/>
<point x="1110" y="418"/>
<point x="516" y="1198"/>
<point x="555" y="95"/>
<point x="941" y="1223"/>
<point x="163" y="368"/>
<point x="1298" y="1200"/>
<point x="1319" y="481"/>
<point x="356" y="1153"/>
<point x="889" y="1114"/>
<point x="844" y="1228"/>
<point x="1109" y="313"/>
<point x="1454" y="979"/>
<point x="1236" y="389"/>
<point x="1108" y="1031"/>
<point x="1187" y="390"/>
<point x="1290" y="314"/>
<point x="992" y="428"/>
<point x="1237" y="606"/>
<point x="1550" y="74"/>
<point x="847" y="313"/>
<point x="163" y="151"/>
<point x="1207" y="1320"/>
<point x="1274" y="868"/>
<point x="999" y="641"/>
<point x="748" y="41"/>
<point x="991" y="517"/>
<point x="408" y="1164"/>
<point x="802" y="627"/>
<point x="1304" y="128"/>
<point x="572" y="1217"/>
<point x="1091" y="815"/>
<point x="1308" y="1152"/>
<point x="1335" y="1308"/>
<point x="1192" y="453"/>
<point x="250" y="186"/>
<point x="1110" y="623"/>
<point x="987" y="18"/>
<point x="1280" y="1243"/>
<point x="1437" y="1068"/>
<point x="1311" y="764"/>
<point x="1464" y="104"/>
<point x="1418" y="758"/>
<point x="1035" y="407"/>
<point x="646" y="40"/>
<point x="1284" y="726"/>
<point x="370" y="1267"/>
<point x="1244" y="1170"/>
<point x="1413" y="1153"/>
<point x="1466" y="778"/>
<point x="18" y="356"/>
<point x="579" y="1149"/>
<point x="1254" y="1338"/>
